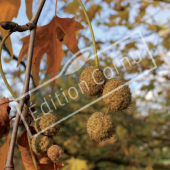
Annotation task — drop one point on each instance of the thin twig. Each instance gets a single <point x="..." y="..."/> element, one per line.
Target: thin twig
<point x="14" y="27"/>
<point x="9" y="163"/>
<point x="10" y="119"/>
<point x="107" y="111"/>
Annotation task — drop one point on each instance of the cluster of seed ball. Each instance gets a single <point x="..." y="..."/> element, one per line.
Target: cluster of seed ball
<point x="43" y="143"/>
<point x="116" y="96"/>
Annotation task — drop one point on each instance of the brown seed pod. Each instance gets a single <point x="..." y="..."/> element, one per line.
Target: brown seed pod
<point x="37" y="124"/>
<point x="100" y="126"/>
<point x="92" y="81"/>
<point x="40" y="144"/>
<point x="118" y="100"/>
<point x="55" y="152"/>
<point x="46" y="121"/>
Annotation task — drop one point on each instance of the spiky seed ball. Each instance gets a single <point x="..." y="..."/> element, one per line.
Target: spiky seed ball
<point x="55" y="152"/>
<point x="119" y="99"/>
<point x="46" y="121"/>
<point x="92" y="81"/>
<point x="100" y="126"/>
<point x="37" y="124"/>
<point x="40" y="144"/>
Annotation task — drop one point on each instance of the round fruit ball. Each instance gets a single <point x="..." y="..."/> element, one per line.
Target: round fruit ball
<point x="119" y="99"/>
<point x="92" y="81"/>
<point x="46" y="121"/>
<point x="55" y="152"/>
<point x="40" y="144"/>
<point x="37" y="124"/>
<point x="100" y="126"/>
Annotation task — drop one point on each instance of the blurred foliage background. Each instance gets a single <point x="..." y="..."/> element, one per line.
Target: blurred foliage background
<point x="142" y="137"/>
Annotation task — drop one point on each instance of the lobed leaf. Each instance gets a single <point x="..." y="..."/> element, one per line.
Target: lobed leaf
<point x="49" y="40"/>
<point x="9" y="9"/>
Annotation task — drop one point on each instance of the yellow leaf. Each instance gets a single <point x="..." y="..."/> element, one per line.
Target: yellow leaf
<point x="164" y="31"/>
<point x="4" y="151"/>
<point x="7" y="60"/>
<point x="72" y="7"/>
<point x="124" y="15"/>
<point x="93" y="10"/>
<point x="76" y="164"/>
<point x="149" y="168"/>
<point x="152" y="27"/>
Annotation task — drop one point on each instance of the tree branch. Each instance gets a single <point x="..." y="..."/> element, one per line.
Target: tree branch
<point x="13" y="27"/>
<point x="9" y="163"/>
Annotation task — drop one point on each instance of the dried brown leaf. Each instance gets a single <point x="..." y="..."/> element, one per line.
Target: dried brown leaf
<point x="4" y="117"/>
<point x="49" y="40"/>
<point x="29" y="4"/>
<point x="4" y="151"/>
<point x="9" y="9"/>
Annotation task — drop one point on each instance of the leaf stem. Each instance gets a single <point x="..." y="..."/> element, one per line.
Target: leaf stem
<point x="56" y="7"/>
<point x="1" y="69"/>
<point x="92" y="33"/>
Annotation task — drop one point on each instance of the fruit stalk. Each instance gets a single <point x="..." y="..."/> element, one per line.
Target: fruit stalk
<point x="107" y="111"/>
<point x="92" y="33"/>
<point x="1" y="69"/>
